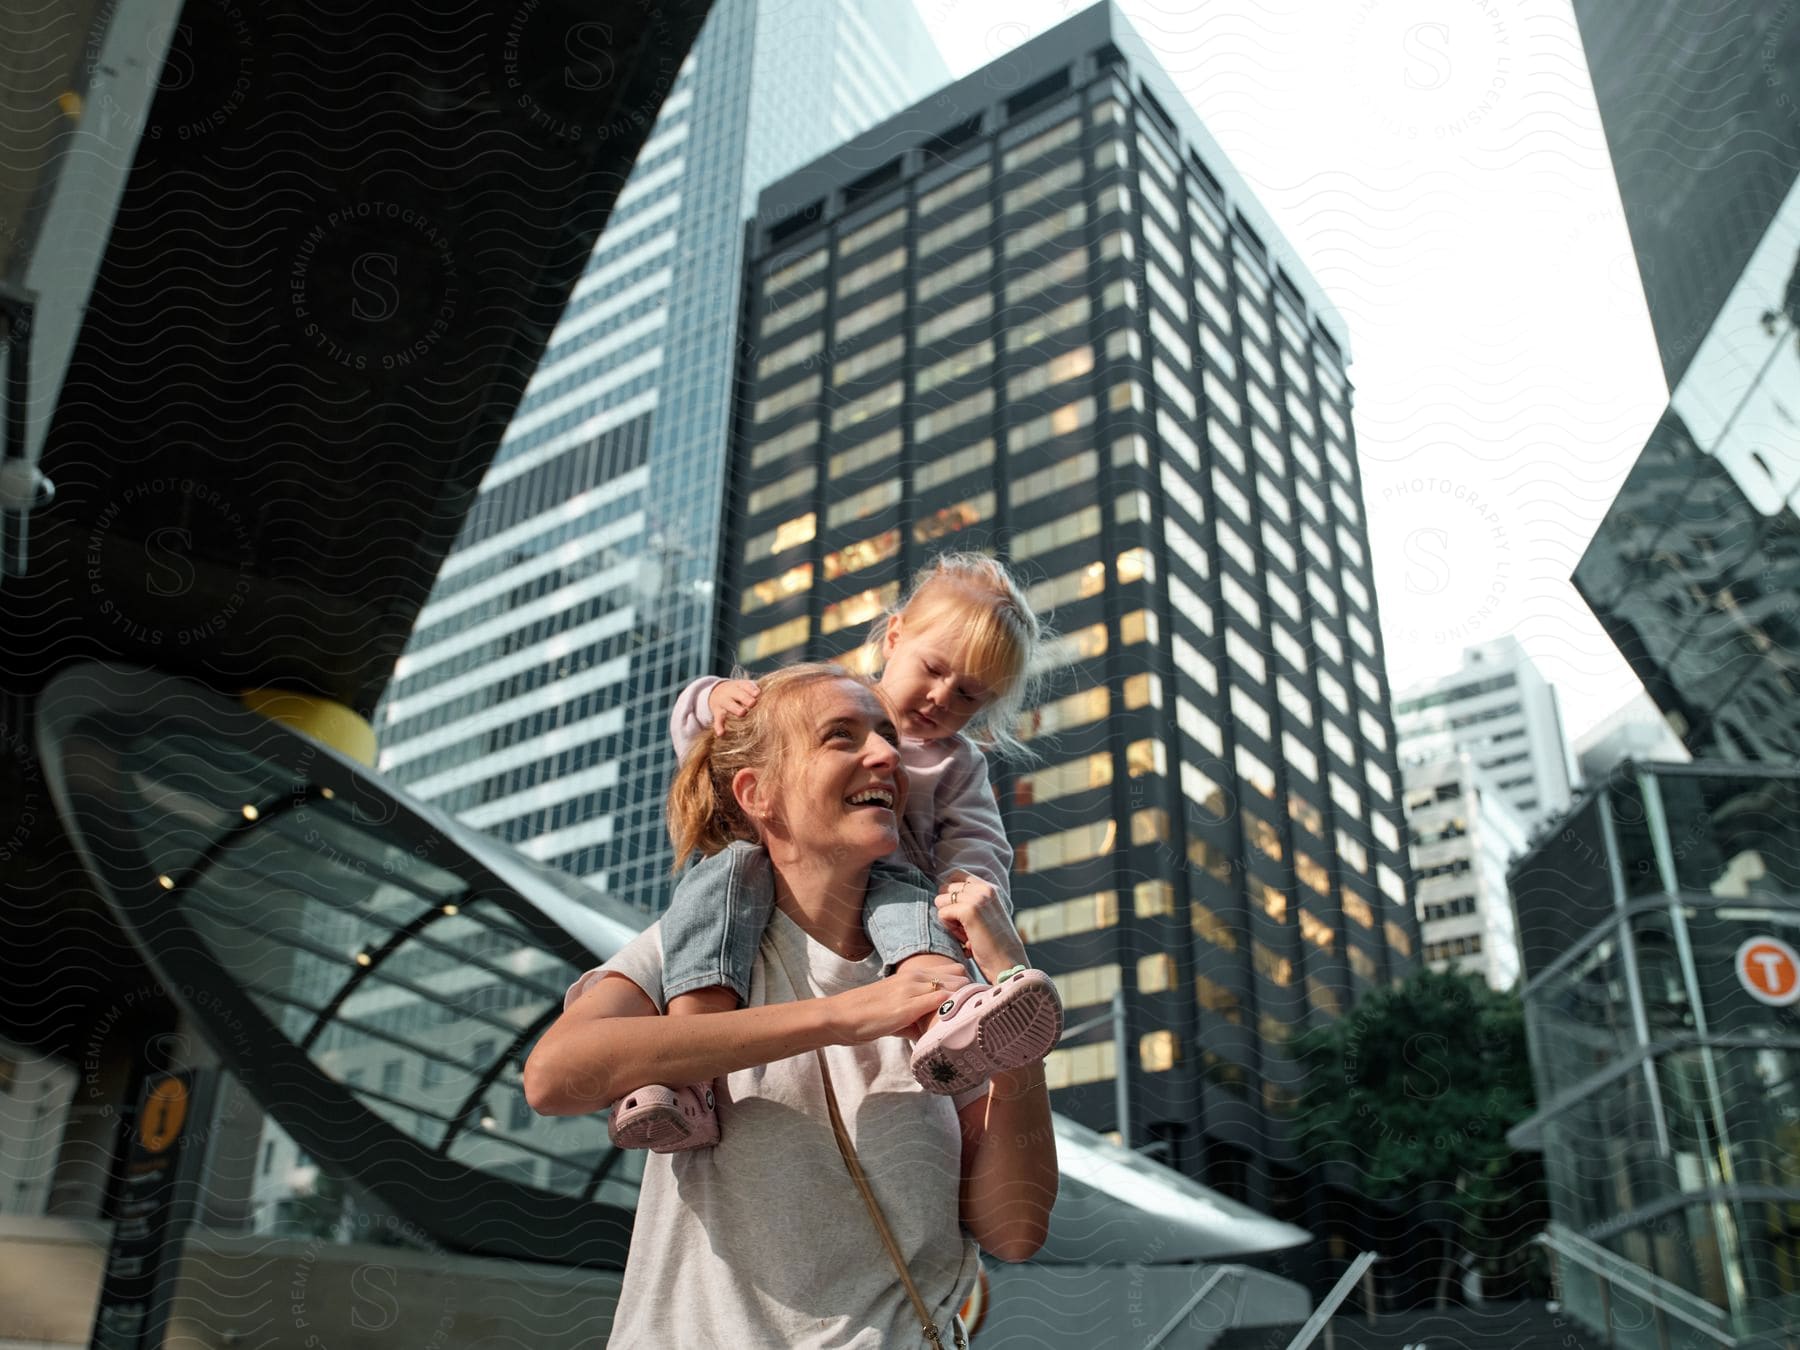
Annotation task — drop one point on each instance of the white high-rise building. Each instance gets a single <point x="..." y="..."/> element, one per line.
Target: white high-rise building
<point x="1502" y="713"/>
<point x="533" y="697"/>
<point x="1463" y="833"/>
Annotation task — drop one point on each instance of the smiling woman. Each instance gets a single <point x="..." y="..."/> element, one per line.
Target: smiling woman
<point x="764" y="1238"/>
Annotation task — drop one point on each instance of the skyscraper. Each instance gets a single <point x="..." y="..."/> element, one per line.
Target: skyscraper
<point x="1498" y="708"/>
<point x="532" y="698"/>
<point x="1463" y="836"/>
<point x="1040" y="314"/>
<point x="1694" y="569"/>
<point x="1699" y="102"/>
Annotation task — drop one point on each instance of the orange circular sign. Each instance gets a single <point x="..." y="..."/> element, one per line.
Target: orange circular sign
<point x="164" y="1111"/>
<point x="1770" y="970"/>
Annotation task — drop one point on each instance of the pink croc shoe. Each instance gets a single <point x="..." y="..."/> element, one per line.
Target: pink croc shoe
<point x="665" y="1120"/>
<point x="984" y="1029"/>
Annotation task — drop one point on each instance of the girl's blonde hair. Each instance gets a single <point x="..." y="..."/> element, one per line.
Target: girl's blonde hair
<point x="704" y="815"/>
<point x="1001" y="634"/>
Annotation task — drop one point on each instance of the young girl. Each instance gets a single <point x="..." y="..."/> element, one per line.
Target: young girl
<point x="953" y="657"/>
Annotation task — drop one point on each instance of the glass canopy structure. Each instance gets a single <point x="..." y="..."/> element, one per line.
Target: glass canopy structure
<point x="376" y="975"/>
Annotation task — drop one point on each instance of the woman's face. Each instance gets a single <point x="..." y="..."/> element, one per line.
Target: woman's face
<point x="844" y="789"/>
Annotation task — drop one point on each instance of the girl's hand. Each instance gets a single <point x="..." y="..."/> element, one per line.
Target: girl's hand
<point x="975" y="916"/>
<point x="885" y="1008"/>
<point x="731" y="698"/>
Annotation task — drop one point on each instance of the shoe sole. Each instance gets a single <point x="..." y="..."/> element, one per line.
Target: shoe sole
<point x="657" y="1126"/>
<point x="1020" y="1032"/>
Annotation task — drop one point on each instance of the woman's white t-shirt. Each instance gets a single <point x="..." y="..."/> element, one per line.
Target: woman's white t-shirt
<point x="764" y="1240"/>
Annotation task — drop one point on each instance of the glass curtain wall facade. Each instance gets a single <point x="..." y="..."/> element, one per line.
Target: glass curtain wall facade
<point x="533" y="697"/>
<point x="1050" y="323"/>
<point x="1695" y="568"/>
<point x="1668" y="79"/>
<point x="1671" y="1130"/>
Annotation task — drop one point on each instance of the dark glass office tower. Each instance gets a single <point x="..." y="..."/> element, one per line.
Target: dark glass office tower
<point x="533" y="696"/>
<point x="1701" y="105"/>
<point x="1695" y="570"/>
<point x="1039" y="314"/>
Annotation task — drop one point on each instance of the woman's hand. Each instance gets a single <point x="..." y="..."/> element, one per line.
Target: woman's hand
<point x="885" y="1008"/>
<point x="975" y="916"/>
<point x="730" y="698"/>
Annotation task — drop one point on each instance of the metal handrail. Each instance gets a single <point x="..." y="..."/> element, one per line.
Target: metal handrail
<point x="1329" y="1304"/>
<point x="1206" y="1287"/>
<point x="1644" y="1284"/>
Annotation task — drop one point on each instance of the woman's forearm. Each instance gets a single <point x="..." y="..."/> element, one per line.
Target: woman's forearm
<point x="588" y="1065"/>
<point x="1010" y="1178"/>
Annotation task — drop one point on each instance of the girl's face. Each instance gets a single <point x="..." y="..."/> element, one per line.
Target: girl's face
<point x="927" y="679"/>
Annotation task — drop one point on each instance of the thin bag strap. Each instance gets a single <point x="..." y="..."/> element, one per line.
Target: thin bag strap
<point x="854" y="1165"/>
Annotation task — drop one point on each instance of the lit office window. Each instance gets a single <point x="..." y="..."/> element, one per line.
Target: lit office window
<point x="1158" y="1051"/>
<point x="1315" y="930"/>
<point x="958" y="227"/>
<point x="1041" y="144"/>
<point x="1091" y="840"/>
<point x="1145" y="757"/>
<point x="1083" y="582"/>
<point x="956" y="366"/>
<point x="862" y="505"/>
<point x="1084" y="644"/>
<point x="1063" y="918"/>
<point x="1264" y="836"/>
<point x="1078" y="1064"/>
<point x="1041" y="186"/>
<point x="1081" y="775"/>
<point x="1217" y="999"/>
<point x="941" y="420"/>
<point x="1041" y="326"/>
<point x="955" y="188"/>
<point x="1312" y="873"/>
<point x="792" y="312"/>
<point x="1137" y="626"/>
<point x="863" y="553"/>
<point x="1071" y="710"/>
<point x="796" y="484"/>
<point x="1268" y="899"/>
<point x="1066" y="530"/>
<point x="948" y="520"/>
<point x="866" y="455"/>
<point x="858" y="608"/>
<point x="784" y="536"/>
<point x="794" y="396"/>
<point x="1199" y="788"/>
<point x="955" y="318"/>
<point x="777" y="639"/>
<point x="977" y="264"/>
<point x="871" y="404"/>
<point x="1304" y="814"/>
<point x="868" y="360"/>
<point x="1143" y="691"/>
<point x="1059" y="477"/>
<point x="790" y="355"/>
<point x="779" y="447"/>
<point x="1150" y="899"/>
<point x="870" y="272"/>
<point x="1051" y="227"/>
<point x="866" y="317"/>
<point x="946" y="468"/>
<point x="1209" y="927"/>
<point x="1275" y="969"/>
<point x="1254" y="773"/>
<point x="798" y="270"/>
<point x="1361" y="962"/>
<point x="865" y="235"/>
<point x="1071" y="266"/>
<point x="790" y="583"/>
<point x="1067" y="365"/>
<point x="1156" y="973"/>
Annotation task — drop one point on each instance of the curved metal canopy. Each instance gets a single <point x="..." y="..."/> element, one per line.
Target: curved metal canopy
<point x="317" y="923"/>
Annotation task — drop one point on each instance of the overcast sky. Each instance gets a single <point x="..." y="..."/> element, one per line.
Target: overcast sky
<point x="1440" y="167"/>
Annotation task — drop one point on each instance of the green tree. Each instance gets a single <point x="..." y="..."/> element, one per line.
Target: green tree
<point x="1414" y="1091"/>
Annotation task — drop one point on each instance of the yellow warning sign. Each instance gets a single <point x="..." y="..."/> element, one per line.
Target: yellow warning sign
<point x="165" y="1108"/>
